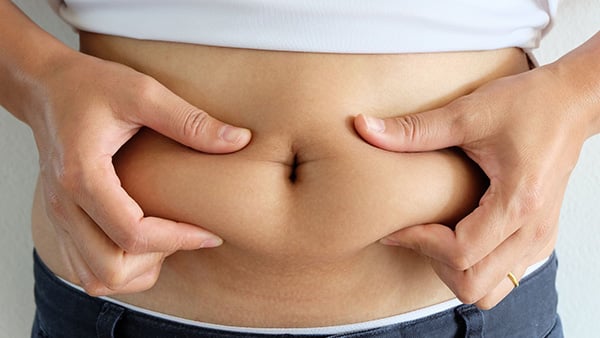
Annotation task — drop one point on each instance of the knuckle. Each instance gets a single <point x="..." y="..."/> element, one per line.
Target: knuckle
<point x="113" y="278"/>
<point x="466" y="298"/>
<point x="469" y="111"/>
<point x="469" y="290"/>
<point x="91" y="285"/>
<point x="486" y="303"/>
<point x="417" y="245"/>
<point x="131" y="239"/>
<point x="195" y="123"/>
<point x="149" y="280"/>
<point x="94" y="289"/>
<point x="410" y="126"/>
<point x="460" y="121"/>
<point x="173" y="245"/>
<point x="530" y="200"/>
<point x="461" y="260"/>
<point x="147" y="88"/>
<point x="131" y="243"/>
<point x="460" y="263"/>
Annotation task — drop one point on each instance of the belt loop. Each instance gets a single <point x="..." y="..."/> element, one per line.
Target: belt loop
<point x="107" y="320"/>
<point x="473" y="319"/>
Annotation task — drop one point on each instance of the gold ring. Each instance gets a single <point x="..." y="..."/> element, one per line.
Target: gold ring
<point x="513" y="279"/>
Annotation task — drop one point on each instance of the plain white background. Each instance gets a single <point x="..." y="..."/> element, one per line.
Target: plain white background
<point x="579" y="276"/>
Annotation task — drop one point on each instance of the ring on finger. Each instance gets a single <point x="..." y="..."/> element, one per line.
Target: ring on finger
<point x="513" y="279"/>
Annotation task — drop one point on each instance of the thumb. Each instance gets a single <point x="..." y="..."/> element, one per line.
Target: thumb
<point x="425" y="131"/>
<point x="175" y="118"/>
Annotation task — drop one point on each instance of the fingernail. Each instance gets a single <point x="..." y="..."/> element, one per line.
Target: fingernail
<point x="231" y="134"/>
<point x="387" y="241"/>
<point x="374" y="124"/>
<point x="212" y="242"/>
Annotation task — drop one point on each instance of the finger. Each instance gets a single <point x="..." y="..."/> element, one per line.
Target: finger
<point x="517" y="262"/>
<point x="473" y="238"/>
<point x="123" y="220"/>
<point x="486" y="282"/>
<point x="173" y="117"/>
<point x="484" y="285"/>
<point x="100" y="264"/>
<point x="95" y="287"/>
<point x="503" y="289"/>
<point x="426" y="131"/>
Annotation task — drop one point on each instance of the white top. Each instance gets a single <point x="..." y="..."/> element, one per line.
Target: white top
<point x="338" y="26"/>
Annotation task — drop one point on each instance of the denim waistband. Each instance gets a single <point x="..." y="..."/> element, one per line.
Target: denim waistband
<point x="529" y="311"/>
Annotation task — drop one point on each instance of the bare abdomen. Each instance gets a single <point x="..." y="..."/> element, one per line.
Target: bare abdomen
<point x="302" y="207"/>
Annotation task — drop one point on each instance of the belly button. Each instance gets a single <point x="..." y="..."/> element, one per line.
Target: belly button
<point x="293" y="168"/>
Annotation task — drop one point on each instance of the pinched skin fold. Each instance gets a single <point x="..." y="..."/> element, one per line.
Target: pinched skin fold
<point x="302" y="251"/>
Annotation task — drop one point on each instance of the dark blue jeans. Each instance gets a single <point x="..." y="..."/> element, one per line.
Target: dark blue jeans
<point x="529" y="311"/>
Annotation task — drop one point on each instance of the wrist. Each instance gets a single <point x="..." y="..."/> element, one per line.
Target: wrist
<point x="576" y="74"/>
<point x="27" y="54"/>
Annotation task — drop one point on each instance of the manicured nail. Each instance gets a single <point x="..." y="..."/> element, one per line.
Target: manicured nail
<point x="374" y="124"/>
<point x="212" y="242"/>
<point x="231" y="134"/>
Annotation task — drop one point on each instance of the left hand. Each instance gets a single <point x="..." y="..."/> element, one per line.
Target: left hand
<point x="525" y="132"/>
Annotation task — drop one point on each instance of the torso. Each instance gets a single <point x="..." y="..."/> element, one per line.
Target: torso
<point x="300" y="252"/>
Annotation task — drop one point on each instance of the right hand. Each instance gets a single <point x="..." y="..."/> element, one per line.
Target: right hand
<point x="87" y="109"/>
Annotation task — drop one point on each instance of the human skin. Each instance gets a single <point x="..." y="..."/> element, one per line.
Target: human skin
<point x="525" y="132"/>
<point x="300" y="209"/>
<point x="120" y="283"/>
<point x="39" y="76"/>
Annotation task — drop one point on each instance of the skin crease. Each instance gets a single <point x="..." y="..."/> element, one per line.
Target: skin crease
<point x="469" y="275"/>
<point x="525" y="132"/>
<point x="281" y="236"/>
<point x="83" y="197"/>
